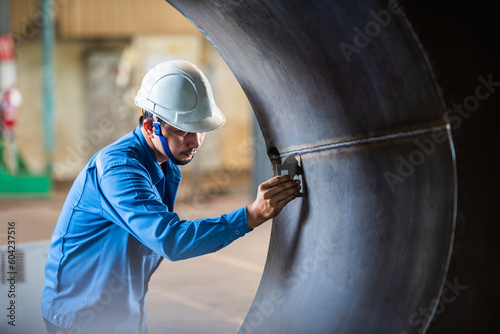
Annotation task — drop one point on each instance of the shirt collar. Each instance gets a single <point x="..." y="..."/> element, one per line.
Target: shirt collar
<point x="150" y="161"/>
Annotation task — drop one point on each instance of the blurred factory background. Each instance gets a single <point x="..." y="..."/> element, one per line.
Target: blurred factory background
<point x="77" y="67"/>
<point x="69" y="71"/>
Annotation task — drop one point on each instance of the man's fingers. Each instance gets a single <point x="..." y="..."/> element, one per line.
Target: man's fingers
<point x="286" y="200"/>
<point x="281" y="187"/>
<point x="291" y="191"/>
<point x="274" y="181"/>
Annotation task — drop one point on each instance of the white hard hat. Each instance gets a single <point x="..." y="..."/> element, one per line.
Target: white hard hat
<point x="179" y="93"/>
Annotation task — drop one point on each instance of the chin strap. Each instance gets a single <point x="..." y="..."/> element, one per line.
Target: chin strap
<point x="166" y="148"/>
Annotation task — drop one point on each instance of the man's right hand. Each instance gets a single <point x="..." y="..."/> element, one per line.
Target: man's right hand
<point x="272" y="196"/>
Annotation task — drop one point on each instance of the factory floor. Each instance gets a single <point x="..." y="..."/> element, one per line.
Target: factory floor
<point x="208" y="294"/>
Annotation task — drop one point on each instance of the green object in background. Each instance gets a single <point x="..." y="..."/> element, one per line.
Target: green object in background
<point x="24" y="185"/>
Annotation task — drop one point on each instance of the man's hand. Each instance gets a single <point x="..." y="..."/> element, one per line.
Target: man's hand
<point x="272" y="197"/>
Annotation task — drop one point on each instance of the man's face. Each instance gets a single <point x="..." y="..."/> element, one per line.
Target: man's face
<point x="183" y="145"/>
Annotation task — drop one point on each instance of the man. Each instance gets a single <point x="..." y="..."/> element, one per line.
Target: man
<point x="117" y="223"/>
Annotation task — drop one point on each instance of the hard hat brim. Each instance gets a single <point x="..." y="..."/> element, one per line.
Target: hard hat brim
<point x="206" y="125"/>
<point x="209" y="124"/>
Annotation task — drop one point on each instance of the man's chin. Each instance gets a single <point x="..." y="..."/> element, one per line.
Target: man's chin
<point x="187" y="157"/>
<point x="186" y="160"/>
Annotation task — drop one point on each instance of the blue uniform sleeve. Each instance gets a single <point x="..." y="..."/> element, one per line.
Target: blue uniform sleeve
<point x="130" y="200"/>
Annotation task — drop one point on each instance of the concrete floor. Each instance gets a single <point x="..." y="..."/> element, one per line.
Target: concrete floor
<point x="209" y="294"/>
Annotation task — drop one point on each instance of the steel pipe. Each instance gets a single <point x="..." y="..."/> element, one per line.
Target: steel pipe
<point x="391" y="234"/>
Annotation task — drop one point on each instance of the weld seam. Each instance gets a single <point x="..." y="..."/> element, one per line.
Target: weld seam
<point x="362" y="141"/>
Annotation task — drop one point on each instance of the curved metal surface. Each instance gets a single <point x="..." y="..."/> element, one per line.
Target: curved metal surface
<point x="347" y="85"/>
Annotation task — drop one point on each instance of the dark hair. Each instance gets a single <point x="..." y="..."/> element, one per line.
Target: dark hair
<point x="148" y="115"/>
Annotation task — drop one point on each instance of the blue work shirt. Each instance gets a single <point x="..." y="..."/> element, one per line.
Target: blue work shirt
<point x="116" y="226"/>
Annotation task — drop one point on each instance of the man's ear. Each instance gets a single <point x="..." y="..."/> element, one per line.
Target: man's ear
<point x="148" y="127"/>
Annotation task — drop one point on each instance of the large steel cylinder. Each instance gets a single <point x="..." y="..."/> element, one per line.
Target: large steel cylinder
<point x="389" y="106"/>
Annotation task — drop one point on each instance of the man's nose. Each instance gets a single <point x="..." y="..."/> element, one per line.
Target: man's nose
<point x="195" y="140"/>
